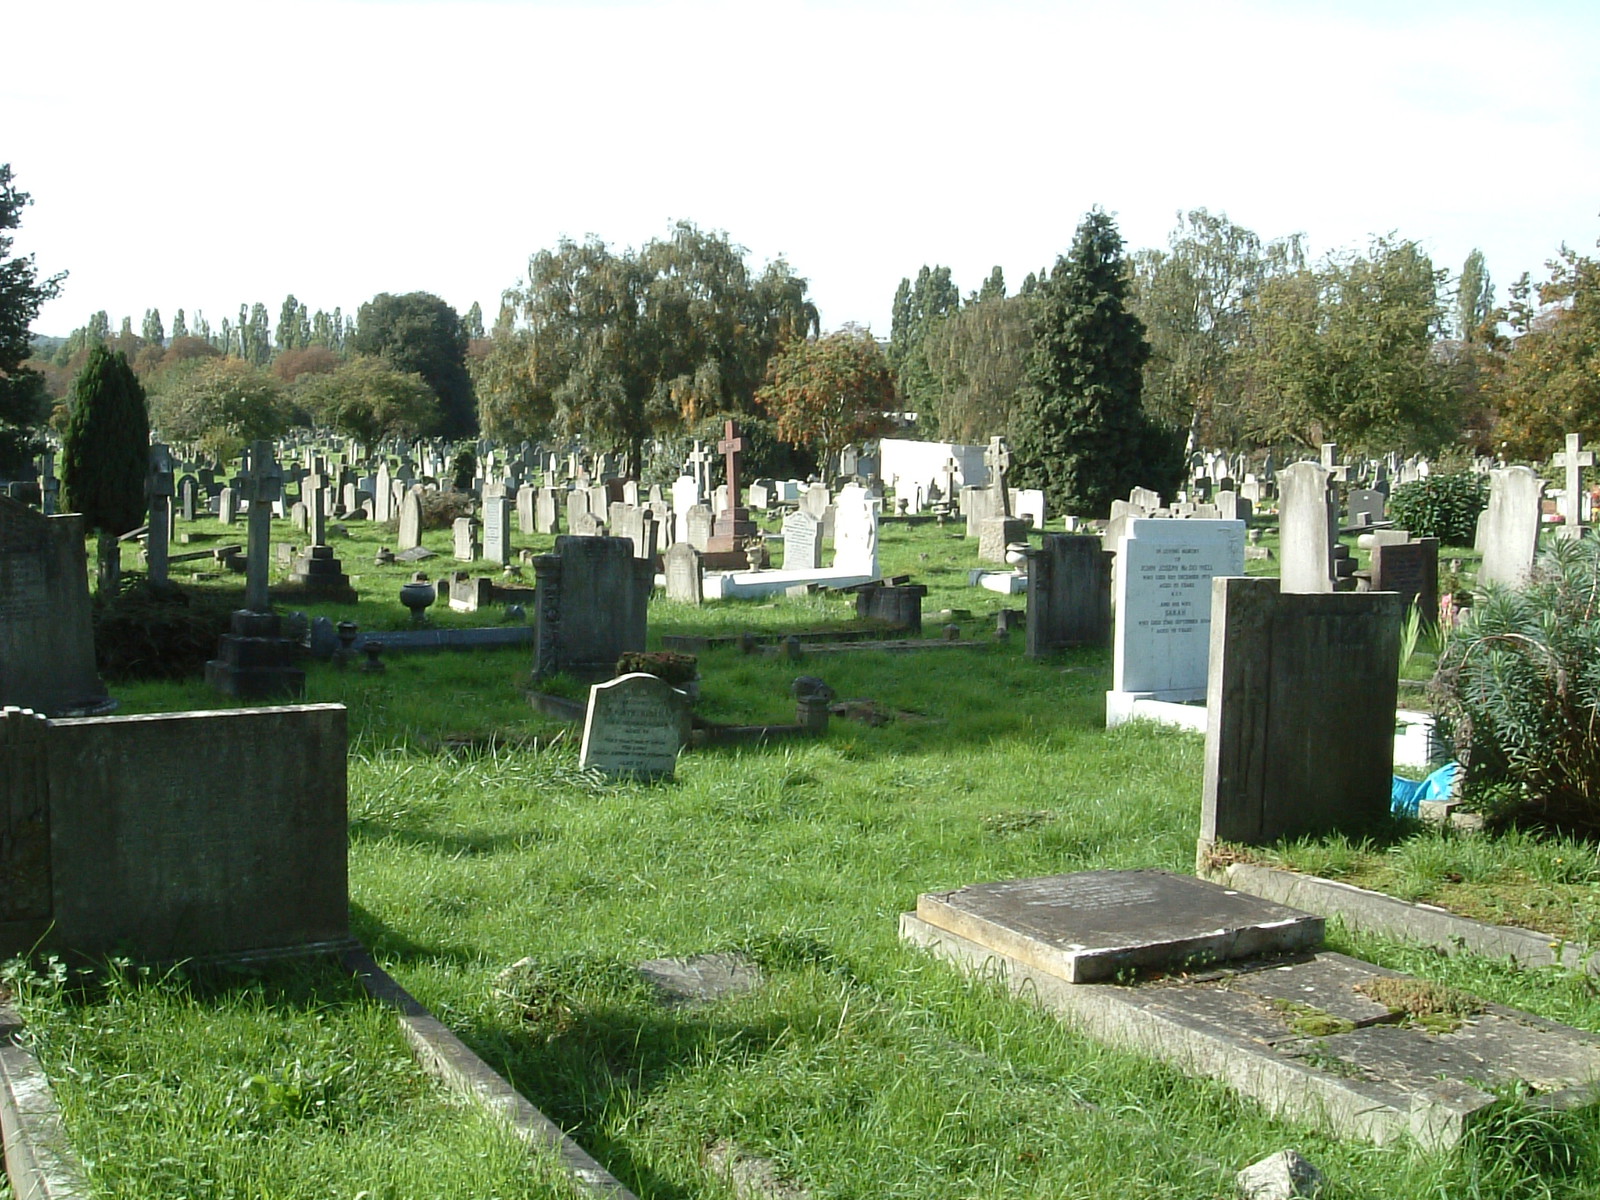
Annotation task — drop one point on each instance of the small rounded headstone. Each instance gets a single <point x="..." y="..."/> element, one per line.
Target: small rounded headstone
<point x="952" y="632"/>
<point x="791" y="648"/>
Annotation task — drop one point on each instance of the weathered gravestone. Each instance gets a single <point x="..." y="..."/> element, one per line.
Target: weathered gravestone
<point x="685" y="581"/>
<point x="1299" y="712"/>
<point x="733" y="526"/>
<point x="122" y="838"/>
<point x="46" y="629"/>
<point x="158" y="531"/>
<point x="466" y="539"/>
<point x="409" y="536"/>
<point x="855" y="547"/>
<point x="591" y="604"/>
<point x="1572" y="461"/>
<point x="1509" y="529"/>
<point x="802" y="542"/>
<point x="1069" y="594"/>
<point x="497" y="529"/>
<point x="1163" y="578"/>
<point x="1411" y="571"/>
<point x="634" y="727"/>
<point x="547" y="513"/>
<point x="1308" y="528"/>
<point x="697" y="527"/>
<point x="527" y="509"/>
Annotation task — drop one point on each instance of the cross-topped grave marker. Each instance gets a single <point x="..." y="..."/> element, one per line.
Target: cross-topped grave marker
<point x="998" y="459"/>
<point x="158" y="487"/>
<point x="733" y="524"/>
<point x="1575" y="458"/>
<point x="49" y="485"/>
<point x="1330" y="462"/>
<point x="263" y="483"/>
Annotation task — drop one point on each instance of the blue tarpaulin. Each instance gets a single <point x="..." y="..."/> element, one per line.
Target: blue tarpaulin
<point x="1406" y="794"/>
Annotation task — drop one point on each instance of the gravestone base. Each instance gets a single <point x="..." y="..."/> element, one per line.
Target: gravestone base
<point x="319" y="573"/>
<point x="996" y="533"/>
<point x="254" y="661"/>
<point x="1312" y="1035"/>
<point x="898" y="607"/>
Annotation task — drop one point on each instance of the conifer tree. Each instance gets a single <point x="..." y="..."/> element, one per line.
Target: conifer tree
<point x="105" y="455"/>
<point x="1080" y="432"/>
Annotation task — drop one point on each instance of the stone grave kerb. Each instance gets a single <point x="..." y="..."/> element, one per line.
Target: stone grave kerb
<point x="263" y="483"/>
<point x="1573" y="459"/>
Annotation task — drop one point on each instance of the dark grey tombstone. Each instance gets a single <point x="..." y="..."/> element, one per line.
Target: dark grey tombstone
<point x="802" y="542"/>
<point x="1364" y="506"/>
<point x="46" y="629"/>
<point x="685" y="578"/>
<point x="1069" y="594"/>
<point x="1411" y="570"/>
<point x="122" y="841"/>
<point x="591" y="603"/>
<point x="188" y="492"/>
<point x="1300" y="701"/>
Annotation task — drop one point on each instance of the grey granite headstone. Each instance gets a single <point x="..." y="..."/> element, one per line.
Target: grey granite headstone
<point x="1307" y="528"/>
<point x="546" y="513"/>
<point x="497" y="529"/>
<point x="699" y="524"/>
<point x="634" y="727"/>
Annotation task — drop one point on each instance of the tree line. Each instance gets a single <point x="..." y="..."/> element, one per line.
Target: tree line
<point x="1245" y="343"/>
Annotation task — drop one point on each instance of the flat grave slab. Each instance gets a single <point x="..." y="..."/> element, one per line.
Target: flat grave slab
<point x="1314" y="1036"/>
<point x="1091" y="925"/>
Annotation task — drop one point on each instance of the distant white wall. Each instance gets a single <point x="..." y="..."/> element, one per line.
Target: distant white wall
<point x="924" y="462"/>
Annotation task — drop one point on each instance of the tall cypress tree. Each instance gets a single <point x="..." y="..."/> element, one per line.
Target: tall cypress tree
<point x="1080" y="432"/>
<point x="105" y="455"/>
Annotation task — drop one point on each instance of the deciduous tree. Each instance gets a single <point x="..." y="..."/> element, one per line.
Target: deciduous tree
<point x="369" y="400"/>
<point x="828" y="392"/>
<point x="976" y="358"/>
<point x="1549" y="381"/>
<point x="220" y="404"/>
<point x="418" y="333"/>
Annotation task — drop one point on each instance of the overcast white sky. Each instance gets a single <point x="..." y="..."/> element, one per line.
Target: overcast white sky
<point x="200" y="155"/>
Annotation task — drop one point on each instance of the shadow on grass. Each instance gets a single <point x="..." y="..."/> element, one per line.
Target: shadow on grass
<point x="386" y="943"/>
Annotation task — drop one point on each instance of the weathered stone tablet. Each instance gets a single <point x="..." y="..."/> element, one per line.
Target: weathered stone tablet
<point x="1091" y="925"/>
<point x="635" y="726"/>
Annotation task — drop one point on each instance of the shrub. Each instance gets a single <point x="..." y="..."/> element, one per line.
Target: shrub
<point x="1519" y="690"/>
<point x="676" y="669"/>
<point x="441" y="509"/>
<point x="151" y="633"/>
<point x="1441" y="506"/>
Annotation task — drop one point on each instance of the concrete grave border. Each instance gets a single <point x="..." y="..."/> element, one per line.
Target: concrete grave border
<point x="1404" y="920"/>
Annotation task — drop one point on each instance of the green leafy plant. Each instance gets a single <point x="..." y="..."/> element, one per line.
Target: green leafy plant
<point x="1519" y="688"/>
<point x="1445" y="506"/>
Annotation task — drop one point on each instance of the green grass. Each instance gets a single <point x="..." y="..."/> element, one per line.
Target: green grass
<point x="861" y="1067"/>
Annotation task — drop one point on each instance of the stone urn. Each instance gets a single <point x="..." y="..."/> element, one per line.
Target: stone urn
<point x="419" y="595"/>
<point x="755" y="554"/>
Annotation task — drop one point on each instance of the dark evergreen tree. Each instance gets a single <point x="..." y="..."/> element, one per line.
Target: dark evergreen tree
<point x="105" y="455"/>
<point x="1080" y="431"/>
<point x="23" y="402"/>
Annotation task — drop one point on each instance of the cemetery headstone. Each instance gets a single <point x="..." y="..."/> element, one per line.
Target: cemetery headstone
<point x="802" y="542"/>
<point x="732" y="526"/>
<point x="46" y="628"/>
<point x="1163" y="580"/>
<point x="685" y="583"/>
<point x="1069" y="594"/>
<point x="1307" y="527"/>
<point x="855" y="532"/>
<point x="546" y="513"/>
<point x="1300" y="712"/>
<point x="998" y="459"/>
<point x="122" y="840"/>
<point x="466" y="539"/>
<point x="1573" y="460"/>
<point x="409" y="536"/>
<point x="497" y="529"/>
<point x="527" y="509"/>
<point x="158" y="487"/>
<point x="1410" y="570"/>
<point x="591" y="604"/>
<point x="698" y="526"/>
<point x="634" y="727"/>
<point x="1510" y="526"/>
<point x="1364" y="506"/>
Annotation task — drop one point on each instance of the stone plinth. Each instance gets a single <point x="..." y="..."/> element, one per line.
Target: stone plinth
<point x="254" y="661"/>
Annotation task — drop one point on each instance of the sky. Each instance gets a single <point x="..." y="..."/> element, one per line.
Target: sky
<point x="200" y="155"/>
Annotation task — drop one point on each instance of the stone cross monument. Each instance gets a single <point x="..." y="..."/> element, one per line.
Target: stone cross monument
<point x="1575" y="458"/>
<point x="263" y="483"/>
